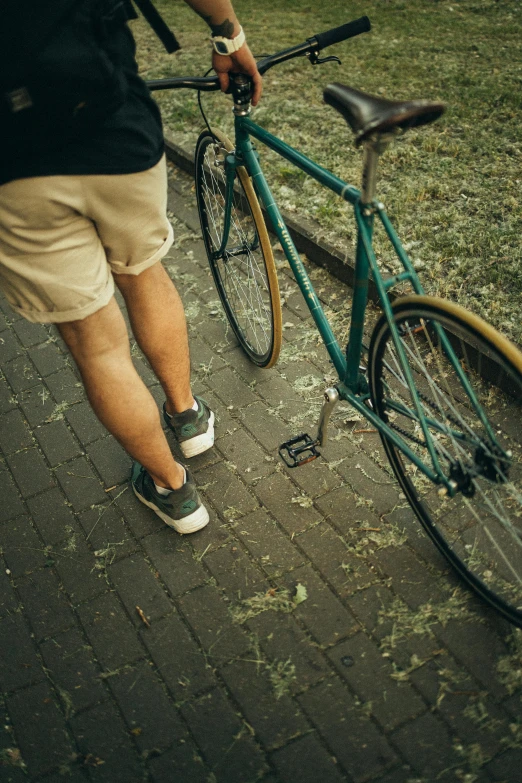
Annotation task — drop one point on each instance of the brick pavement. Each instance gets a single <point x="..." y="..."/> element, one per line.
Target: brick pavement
<point x="388" y="671"/>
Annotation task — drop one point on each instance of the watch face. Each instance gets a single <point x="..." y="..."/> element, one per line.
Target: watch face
<point x="221" y="47"/>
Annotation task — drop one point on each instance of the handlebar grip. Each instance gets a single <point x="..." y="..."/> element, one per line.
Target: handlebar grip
<point x="343" y="32"/>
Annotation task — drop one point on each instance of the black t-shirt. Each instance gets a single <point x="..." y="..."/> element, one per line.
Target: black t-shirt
<point x="128" y="141"/>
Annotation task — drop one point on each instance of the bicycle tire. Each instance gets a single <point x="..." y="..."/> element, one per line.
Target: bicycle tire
<point x="479" y="529"/>
<point x="245" y="273"/>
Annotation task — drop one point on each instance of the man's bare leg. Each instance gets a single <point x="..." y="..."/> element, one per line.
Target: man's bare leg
<point x="158" y="322"/>
<point x="100" y="346"/>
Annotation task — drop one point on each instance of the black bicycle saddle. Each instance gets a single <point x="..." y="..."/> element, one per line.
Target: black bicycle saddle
<point x="367" y="114"/>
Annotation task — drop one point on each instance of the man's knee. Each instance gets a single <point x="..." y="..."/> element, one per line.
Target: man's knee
<point x="102" y="332"/>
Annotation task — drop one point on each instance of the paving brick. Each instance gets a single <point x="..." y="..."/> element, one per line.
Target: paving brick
<point x="251" y="462"/>
<point x="73" y="670"/>
<point x="11" y="505"/>
<point x="225" y="491"/>
<point x="224" y="739"/>
<point x="110" y="460"/>
<point x="109" y="631"/>
<point x="147" y="709"/>
<point x="409" y="576"/>
<point x="38" y="405"/>
<point x="66" y="387"/>
<point x="40" y="729"/>
<point x="282" y="639"/>
<point x="370" y="481"/>
<point x="347" y="731"/>
<point x="203" y="360"/>
<point x="234" y="573"/>
<point x="7" y="399"/>
<point x="22" y="374"/>
<point x="346" y="513"/>
<point x="22" y="549"/>
<point x="306" y="761"/>
<point x="8" y="597"/>
<point x="48" y="358"/>
<point x="45" y="604"/>
<point x="83" y="575"/>
<point x="178" y="658"/>
<point x="271" y="432"/>
<point x="506" y="768"/>
<point x="316" y="478"/>
<point x="322" y="612"/>
<point x="418" y="540"/>
<point x="14" y="432"/>
<point x="181" y="762"/>
<point x="137" y="586"/>
<point x="19" y="665"/>
<point x="30" y="333"/>
<point x="86" y="426"/>
<point x="30" y="472"/>
<point x="105" y="528"/>
<point x="478" y="648"/>
<point x="368" y="605"/>
<point x="274" y="717"/>
<point x="267" y="544"/>
<point x="140" y="519"/>
<point x="57" y="443"/>
<point x="53" y="519"/>
<point x="426" y="744"/>
<point x="80" y="484"/>
<point x="105" y="746"/>
<point x="345" y="572"/>
<point x="227" y="421"/>
<point x="249" y="372"/>
<point x="286" y="503"/>
<point x="212" y="624"/>
<point x="10" y="348"/>
<point x="359" y="662"/>
<point x="174" y="559"/>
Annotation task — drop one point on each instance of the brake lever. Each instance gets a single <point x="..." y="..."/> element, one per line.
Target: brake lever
<point x="316" y="60"/>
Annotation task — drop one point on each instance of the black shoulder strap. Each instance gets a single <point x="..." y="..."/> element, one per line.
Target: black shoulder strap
<point x="158" y="24"/>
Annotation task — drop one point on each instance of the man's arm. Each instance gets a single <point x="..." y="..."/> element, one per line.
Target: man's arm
<point x="222" y="20"/>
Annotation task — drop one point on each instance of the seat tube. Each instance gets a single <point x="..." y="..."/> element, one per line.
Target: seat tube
<point x="360" y="299"/>
<point x="372" y="150"/>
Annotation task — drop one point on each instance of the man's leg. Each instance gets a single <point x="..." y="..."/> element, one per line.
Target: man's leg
<point x="158" y="322"/>
<point x="120" y="399"/>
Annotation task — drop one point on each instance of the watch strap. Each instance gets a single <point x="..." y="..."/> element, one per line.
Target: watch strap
<point x="227" y="46"/>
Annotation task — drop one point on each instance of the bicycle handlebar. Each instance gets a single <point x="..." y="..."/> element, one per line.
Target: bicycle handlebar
<point x="343" y="32"/>
<point x="313" y="44"/>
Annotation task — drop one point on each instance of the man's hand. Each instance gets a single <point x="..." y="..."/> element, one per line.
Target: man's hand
<point x="241" y="61"/>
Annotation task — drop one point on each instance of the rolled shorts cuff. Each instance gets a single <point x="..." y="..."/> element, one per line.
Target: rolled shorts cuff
<point x="57" y="317"/>
<point x="118" y="268"/>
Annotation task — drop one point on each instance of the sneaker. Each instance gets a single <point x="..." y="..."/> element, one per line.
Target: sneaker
<point x="194" y="430"/>
<point x="181" y="509"/>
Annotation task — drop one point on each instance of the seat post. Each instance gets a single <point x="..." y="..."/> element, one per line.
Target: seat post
<point x="373" y="149"/>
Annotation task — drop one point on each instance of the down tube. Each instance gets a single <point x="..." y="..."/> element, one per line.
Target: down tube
<point x="262" y="189"/>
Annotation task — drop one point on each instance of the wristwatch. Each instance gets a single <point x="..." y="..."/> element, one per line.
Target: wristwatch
<point x="228" y="45"/>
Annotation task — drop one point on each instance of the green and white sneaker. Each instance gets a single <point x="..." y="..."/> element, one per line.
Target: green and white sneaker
<point x="181" y="509"/>
<point x="194" y="430"/>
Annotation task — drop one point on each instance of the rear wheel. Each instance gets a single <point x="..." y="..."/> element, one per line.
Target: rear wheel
<point x="479" y="529"/>
<point x="244" y="271"/>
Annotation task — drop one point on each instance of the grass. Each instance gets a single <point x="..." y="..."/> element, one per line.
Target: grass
<point x="453" y="188"/>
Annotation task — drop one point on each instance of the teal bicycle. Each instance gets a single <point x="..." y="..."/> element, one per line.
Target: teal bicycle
<point x="441" y="386"/>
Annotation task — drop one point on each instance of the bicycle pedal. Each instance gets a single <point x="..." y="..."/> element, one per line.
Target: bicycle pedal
<point x="299" y="451"/>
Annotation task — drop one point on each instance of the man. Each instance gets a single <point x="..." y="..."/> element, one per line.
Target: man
<point x="76" y="218"/>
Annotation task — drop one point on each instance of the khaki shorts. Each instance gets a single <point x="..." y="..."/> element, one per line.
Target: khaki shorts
<point x="63" y="237"/>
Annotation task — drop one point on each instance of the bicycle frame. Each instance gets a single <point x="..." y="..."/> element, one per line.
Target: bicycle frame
<point x="353" y="386"/>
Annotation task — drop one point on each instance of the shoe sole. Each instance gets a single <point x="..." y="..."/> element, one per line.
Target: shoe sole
<point x="190" y="524"/>
<point x="200" y="443"/>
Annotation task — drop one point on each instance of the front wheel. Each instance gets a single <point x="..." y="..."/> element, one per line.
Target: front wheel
<point x="244" y="270"/>
<point x="478" y="443"/>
